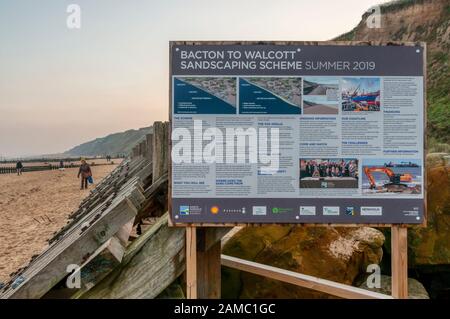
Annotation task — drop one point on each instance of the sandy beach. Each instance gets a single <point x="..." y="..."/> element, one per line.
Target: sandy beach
<point x="32" y="207"/>
<point x="56" y="163"/>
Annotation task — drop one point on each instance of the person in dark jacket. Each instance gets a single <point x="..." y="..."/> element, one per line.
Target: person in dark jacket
<point x="84" y="172"/>
<point x="19" y="168"/>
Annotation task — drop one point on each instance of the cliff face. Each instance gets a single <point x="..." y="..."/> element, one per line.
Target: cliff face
<point x="419" y="20"/>
<point x="113" y="144"/>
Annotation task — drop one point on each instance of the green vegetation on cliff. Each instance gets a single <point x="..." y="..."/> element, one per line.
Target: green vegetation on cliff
<point x="412" y="21"/>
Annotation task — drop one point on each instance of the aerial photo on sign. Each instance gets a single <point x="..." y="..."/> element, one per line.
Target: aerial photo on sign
<point x="320" y="95"/>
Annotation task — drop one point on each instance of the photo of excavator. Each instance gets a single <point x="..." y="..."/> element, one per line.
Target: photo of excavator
<point x="395" y="184"/>
<point x="391" y="179"/>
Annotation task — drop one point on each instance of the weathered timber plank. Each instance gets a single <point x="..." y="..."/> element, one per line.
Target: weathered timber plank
<point x="149" y="154"/>
<point x="399" y="255"/>
<point x="208" y="236"/>
<point x="76" y="252"/>
<point x="150" y="265"/>
<point x="209" y="272"/>
<point x="105" y="262"/>
<point x="160" y="149"/>
<point x="191" y="262"/>
<point x="302" y="280"/>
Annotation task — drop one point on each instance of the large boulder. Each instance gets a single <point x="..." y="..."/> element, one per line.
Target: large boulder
<point x="431" y="245"/>
<point x="338" y="254"/>
<point x="437" y="160"/>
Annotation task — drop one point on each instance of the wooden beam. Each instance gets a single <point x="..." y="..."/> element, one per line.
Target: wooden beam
<point x="149" y="154"/>
<point x="124" y="233"/>
<point x="191" y="262"/>
<point x="160" y="149"/>
<point x="306" y="281"/>
<point x="209" y="236"/>
<point x="208" y="261"/>
<point x="151" y="263"/>
<point x="209" y="272"/>
<point x="73" y="249"/>
<point x="399" y="259"/>
<point x="104" y="262"/>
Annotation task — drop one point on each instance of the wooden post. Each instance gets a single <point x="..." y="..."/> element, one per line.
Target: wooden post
<point x="191" y="262"/>
<point x="160" y="149"/>
<point x="134" y="152"/>
<point x="143" y="147"/>
<point x="149" y="154"/>
<point x="399" y="256"/>
<point x="209" y="263"/>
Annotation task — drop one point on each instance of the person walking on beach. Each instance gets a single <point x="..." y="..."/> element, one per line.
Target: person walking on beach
<point x="85" y="172"/>
<point x="61" y="165"/>
<point x="19" y="168"/>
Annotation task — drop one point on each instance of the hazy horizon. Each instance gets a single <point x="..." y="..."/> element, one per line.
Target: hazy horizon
<point x="60" y="87"/>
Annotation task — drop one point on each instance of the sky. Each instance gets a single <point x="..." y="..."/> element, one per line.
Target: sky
<point x="60" y="87"/>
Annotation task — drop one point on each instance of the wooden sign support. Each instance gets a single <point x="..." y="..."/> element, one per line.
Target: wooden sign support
<point x="399" y="261"/>
<point x="191" y="262"/>
<point x="203" y="262"/>
<point x="203" y="265"/>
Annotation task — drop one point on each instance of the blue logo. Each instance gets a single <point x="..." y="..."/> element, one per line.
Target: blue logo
<point x="184" y="210"/>
<point x="350" y="211"/>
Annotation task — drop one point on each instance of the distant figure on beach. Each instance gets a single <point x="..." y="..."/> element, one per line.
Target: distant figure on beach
<point x="19" y="168"/>
<point x="85" y="172"/>
<point x="61" y="165"/>
<point x="108" y="158"/>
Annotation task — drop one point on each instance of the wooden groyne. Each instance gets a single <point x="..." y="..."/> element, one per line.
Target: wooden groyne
<point x="49" y="167"/>
<point x="118" y="243"/>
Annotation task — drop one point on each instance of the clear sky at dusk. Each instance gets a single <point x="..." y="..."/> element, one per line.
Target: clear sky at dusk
<point x="61" y="87"/>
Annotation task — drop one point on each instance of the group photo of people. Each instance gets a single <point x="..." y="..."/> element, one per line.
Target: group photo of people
<point x="330" y="169"/>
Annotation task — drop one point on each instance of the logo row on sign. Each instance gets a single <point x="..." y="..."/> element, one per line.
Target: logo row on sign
<point x="303" y="210"/>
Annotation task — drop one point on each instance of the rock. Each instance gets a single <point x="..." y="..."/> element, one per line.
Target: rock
<point x="338" y="254"/>
<point x="437" y="160"/>
<point x="431" y="245"/>
<point x="429" y="248"/>
<point x="415" y="289"/>
<point x="246" y="244"/>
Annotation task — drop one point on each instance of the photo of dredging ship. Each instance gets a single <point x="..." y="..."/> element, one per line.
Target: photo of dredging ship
<point x="360" y="94"/>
